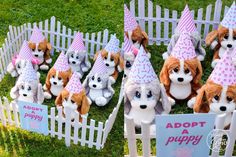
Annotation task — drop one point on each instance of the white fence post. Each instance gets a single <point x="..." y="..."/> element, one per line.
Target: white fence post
<point x="145" y="127"/>
<point x="52" y="31"/>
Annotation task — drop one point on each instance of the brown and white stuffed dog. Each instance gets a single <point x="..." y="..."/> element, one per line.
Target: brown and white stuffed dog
<point x="133" y="31"/>
<point x="224" y="37"/>
<point x="73" y="97"/>
<point x="144" y="96"/>
<point x="41" y="48"/>
<point x="57" y="77"/>
<point x="112" y="58"/>
<point x="182" y="71"/>
<point x="218" y="95"/>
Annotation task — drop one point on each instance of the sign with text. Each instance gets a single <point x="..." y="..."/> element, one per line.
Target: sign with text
<point x="33" y="117"/>
<point x="183" y="135"/>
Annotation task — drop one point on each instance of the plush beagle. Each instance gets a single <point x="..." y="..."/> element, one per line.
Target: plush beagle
<point x="182" y="71"/>
<point x="224" y="37"/>
<point x="218" y="95"/>
<point x="15" y="68"/>
<point x="186" y="23"/>
<point x="78" y="56"/>
<point x="73" y="97"/>
<point x="144" y="96"/>
<point x="40" y="48"/>
<point x="112" y="57"/>
<point x="98" y="83"/>
<point x="133" y="31"/>
<point x="57" y="77"/>
<point x="28" y="88"/>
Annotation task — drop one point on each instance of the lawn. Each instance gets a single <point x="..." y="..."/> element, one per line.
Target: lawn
<point x="85" y="16"/>
<point x="156" y="51"/>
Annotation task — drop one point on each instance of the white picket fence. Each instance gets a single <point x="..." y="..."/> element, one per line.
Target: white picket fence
<point x="89" y="132"/>
<point x="160" y="27"/>
<point x="159" y="30"/>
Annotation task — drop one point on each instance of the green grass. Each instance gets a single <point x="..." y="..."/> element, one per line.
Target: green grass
<point x="85" y="16"/>
<point x="156" y="51"/>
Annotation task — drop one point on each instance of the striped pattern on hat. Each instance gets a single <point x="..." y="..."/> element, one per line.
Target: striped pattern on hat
<point x="36" y="36"/>
<point x="127" y="45"/>
<point x="130" y="22"/>
<point x="77" y="44"/>
<point x="186" y="22"/>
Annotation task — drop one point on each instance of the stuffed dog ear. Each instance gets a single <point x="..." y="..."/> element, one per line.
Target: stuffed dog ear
<point x="164" y="100"/>
<point x="172" y="43"/>
<point x="48" y="84"/>
<point x="211" y="37"/>
<point x="109" y="85"/>
<point x="40" y="95"/>
<point x="58" y="100"/>
<point x="47" y="53"/>
<point x="86" y="81"/>
<point x="201" y="105"/>
<point x="144" y="39"/>
<point x="85" y="105"/>
<point x="127" y="104"/>
<point x="14" y="92"/>
<point x="11" y="70"/>
<point x="164" y="75"/>
<point x="121" y="63"/>
<point x="198" y="75"/>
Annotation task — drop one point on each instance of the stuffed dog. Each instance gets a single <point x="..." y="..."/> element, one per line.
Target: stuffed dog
<point x="112" y="58"/>
<point x="218" y="95"/>
<point x="224" y="37"/>
<point x="77" y="56"/>
<point x="182" y="71"/>
<point x="144" y="95"/>
<point x="40" y="48"/>
<point x="186" y="23"/>
<point x="28" y="88"/>
<point x="133" y="31"/>
<point x="73" y="97"/>
<point x="98" y="83"/>
<point x="57" y="77"/>
<point x="19" y="61"/>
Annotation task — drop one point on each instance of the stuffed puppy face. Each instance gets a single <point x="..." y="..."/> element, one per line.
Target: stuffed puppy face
<point x="216" y="98"/>
<point x="98" y="81"/>
<point x="27" y="90"/>
<point x="112" y="59"/>
<point x="20" y="65"/>
<point x="76" y="58"/>
<point x="128" y="60"/>
<point x="181" y="72"/>
<point x="142" y="96"/>
<point x="57" y="78"/>
<point x="138" y="37"/>
<point x="40" y="50"/>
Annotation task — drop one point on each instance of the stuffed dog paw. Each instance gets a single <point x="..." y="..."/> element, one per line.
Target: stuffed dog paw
<point x="98" y="83"/>
<point x="57" y="77"/>
<point x="144" y="95"/>
<point x="186" y="23"/>
<point x="182" y="71"/>
<point x="77" y="56"/>
<point x="27" y="87"/>
<point x="73" y="97"/>
<point x="19" y="61"/>
<point x="40" y="48"/>
<point x="112" y="57"/>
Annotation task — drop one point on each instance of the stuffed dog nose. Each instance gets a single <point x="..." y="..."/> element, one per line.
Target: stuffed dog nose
<point x="73" y="62"/>
<point x="143" y="106"/>
<point x="107" y="64"/>
<point x="180" y="79"/>
<point x="128" y="65"/>
<point x="36" y="55"/>
<point x="94" y="86"/>
<point x="229" y="45"/>
<point x="55" y="83"/>
<point x="24" y="94"/>
<point x="223" y="108"/>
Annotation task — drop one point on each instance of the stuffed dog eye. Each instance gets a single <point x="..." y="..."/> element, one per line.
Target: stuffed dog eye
<point x="59" y="78"/>
<point x="134" y="41"/>
<point x="226" y="37"/>
<point x="72" y="101"/>
<point x="39" y="49"/>
<point x="18" y="66"/>
<point x="93" y="78"/>
<point x="72" y="55"/>
<point x="234" y="38"/>
<point x="105" y="58"/>
<point x="53" y="76"/>
<point x="186" y="71"/>
<point x="216" y="97"/>
<point x="77" y="57"/>
<point x="229" y="99"/>
<point x="112" y="59"/>
<point x="149" y="95"/>
<point x="137" y="94"/>
<point x="99" y="79"/>
<point x="33" y="49"/>
<point x="29" y="88"/>
<point x="176" y="70"/>
<point x="22" y="87"/>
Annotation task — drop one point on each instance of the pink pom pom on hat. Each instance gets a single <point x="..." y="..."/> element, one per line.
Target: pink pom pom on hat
<point x="224" y="72"/>
<point x="142" y="70"/>
<point x="99" y="66"/>
<point x="229" y="20"/>
<point x="74" y="85"/>
<point x="77" y="44"/>
<point x="184" y="48"/>
<point x="36" y="36"/>
<point x="130" y="22"/>
<point x="186" y="22"/>
<point x="61" y="63"/>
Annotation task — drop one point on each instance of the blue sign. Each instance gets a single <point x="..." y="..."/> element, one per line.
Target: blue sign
<point x="33" y="117"/>
<point x="183" y="135"/>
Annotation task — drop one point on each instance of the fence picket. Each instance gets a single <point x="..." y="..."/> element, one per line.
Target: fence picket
<point x="63" y="37"/>
<point x="52" y="30"/>
<point x="208" y="17"/>
<point x="76" y="127"/>
<point x="2" y="114"/>
<point x="15" y="113"/>
<point x="131" y="136"/>
<point x="92" y="45"/>
<point x="8" y="110"/>
<point x="69" y="38"/>
<point x="141" y="13"/>
<point x="146" y="139"/>
<point x="60" y="121"/>
<point x="174" y="22"/>
<point x="99" y="135"/>
<point x="105" y="38"/>
<point x="68" y="127"/>
<point x="46" y="28"/>
<point x="4" y="62"/>
<point x="98" y="46"/>
<point x="91" y="133"/>
<point x="52" y="125"/>
<point x="87" y="43"/>
<point x="217" y="13"/>
<point x="158" y="25"/>
<point x="29" y="31"/>
<point x="166" y="26"/>
<point x="58" y="34"/>
<point x="199" y="19"/>
<point x="84" y="129"/>
<point x="150" y="21"/>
